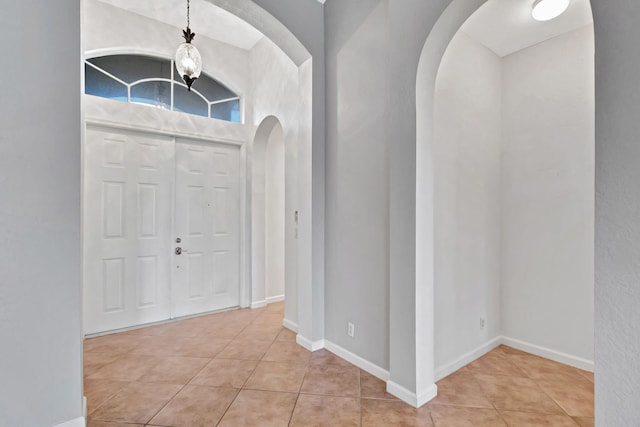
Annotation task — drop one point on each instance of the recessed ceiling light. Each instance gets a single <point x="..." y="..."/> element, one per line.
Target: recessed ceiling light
<point x="545" y="10"/>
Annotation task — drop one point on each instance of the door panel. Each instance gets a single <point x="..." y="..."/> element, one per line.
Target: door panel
<point x="128" y="205"/>
<point x="207" y="273"/>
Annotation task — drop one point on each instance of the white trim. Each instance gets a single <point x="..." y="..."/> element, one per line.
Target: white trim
<point x="84" y="406"/>
<point x="557" y="356"/>
<point x="277" y="298"/>
<point x="106" y="123"/>
<point x="358" y="361"/>
<point x="78" y="422"/>
<point x="308" y="344"/>
<point x="465" y="359"/>
<point x="290" y="325"/>
<point x="259" y="304"/>
<point x="413" y="399"/>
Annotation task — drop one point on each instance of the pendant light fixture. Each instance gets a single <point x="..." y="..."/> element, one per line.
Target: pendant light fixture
<point x="545" y="10"/>
<point x="188" y="59"/>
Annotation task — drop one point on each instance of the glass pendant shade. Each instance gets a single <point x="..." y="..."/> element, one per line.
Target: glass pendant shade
<point x="188" y="63"/>
<point x="545" y="10"/>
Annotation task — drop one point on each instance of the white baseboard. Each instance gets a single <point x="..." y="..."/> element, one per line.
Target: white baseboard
<point x="259" y="304"/>
<point x="277" y="298"/>
<point x="358" y="361"/>
<point x="78" y="422"/>
<point x="414" y="399"/>
<point x="308" y="344"/>
<point x="567" y="359"/>
<point x="290" y="325"/>
<point x="465" y="359"/>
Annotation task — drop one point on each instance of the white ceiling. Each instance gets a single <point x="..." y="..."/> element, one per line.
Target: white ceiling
<point x="206" y="19"/>
<point x="506" y="26"/>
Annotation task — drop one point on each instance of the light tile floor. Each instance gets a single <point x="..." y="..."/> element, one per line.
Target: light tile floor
<point x="241" y="368"/>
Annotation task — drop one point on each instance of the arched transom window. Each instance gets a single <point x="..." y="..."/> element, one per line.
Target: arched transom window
<point x="153" y="81"/>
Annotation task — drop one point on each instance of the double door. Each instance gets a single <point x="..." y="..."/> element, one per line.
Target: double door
<point x="161" y="228"/>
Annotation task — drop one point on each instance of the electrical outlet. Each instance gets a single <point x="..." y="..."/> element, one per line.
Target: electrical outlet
<point x="482" y="323"/>
<point x="351" y="329"/>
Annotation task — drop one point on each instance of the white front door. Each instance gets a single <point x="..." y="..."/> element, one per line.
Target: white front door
<point x="128" y="207"/>
<point x="207" y="271"/>
<point x="141" y="192"/>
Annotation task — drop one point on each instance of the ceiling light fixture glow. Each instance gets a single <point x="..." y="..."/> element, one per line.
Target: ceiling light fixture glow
<point x="545" y="10"/>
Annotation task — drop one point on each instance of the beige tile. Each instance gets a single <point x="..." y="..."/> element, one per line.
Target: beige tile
<point x="180" y="329"/>
<point x="286" y="335"/>
<point x="373" y="388"/>
<point x="458" y="416"/>
<point x="136" y="403"/>
<point x="318" y="411"/>
<point x="539" y="368"/>
<point x="202" y="346"/>
<point x="495" y="363"/>
<point x="93" y="423"/>
<point x="588" y="375"/>
<point x="99" y="391"/>
<point x="95" y="361"/>
<point x="260" y="409"/>
<point x="325" y="357"/>
<point x="576" y="397"/>
<point x="525" y="419"/>
<point x="510" y="350"/>
<point x="258" y="334"/>
<point x="461" y="388"/>
<point x="129" y="367"/>
<point x="151" y="331"/>
<point x="114" y="343"/>
<point x="196" y="406"/>
<point x="383" y="413"/>
<point x="244" y="350"/>
<point x="174" y="370"/>
<point x="288" y="352"/>
<point x="336" y="380"/>
<point x="584" y="421"/>
<point x="277" y="376"/>
<point x="161" y="346"/>
<point x="516" y="394"/>
<point x="225" y="373"/>
<point x="225" y="332"/>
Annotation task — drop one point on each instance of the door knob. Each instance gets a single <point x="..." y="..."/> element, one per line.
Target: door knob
<point x="178" y="250"/>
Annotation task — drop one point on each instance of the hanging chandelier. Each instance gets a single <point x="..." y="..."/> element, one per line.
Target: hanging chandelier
<point x="188" y="59"/>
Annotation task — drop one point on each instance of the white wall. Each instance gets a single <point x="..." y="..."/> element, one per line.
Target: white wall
<point x="548" y="194"/>
<point x="467" y="144"/>
<point x="617" y="207"/>
<point x="275" y="215"/>
<point x="40" y="123"/>
<point x="277" y="89"/>
<point x="357" y="216"/>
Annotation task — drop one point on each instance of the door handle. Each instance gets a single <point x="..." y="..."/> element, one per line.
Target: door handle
<point x="178" y="250"/>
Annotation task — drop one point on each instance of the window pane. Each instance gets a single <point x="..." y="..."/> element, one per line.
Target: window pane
<point x="211" y="89"/>
<point x="131" y="68"/>
<point x="96" y="83"/>
<point x="229" y="111"/>
<point x="188" y="102"/>
<point x="157" y="94"/>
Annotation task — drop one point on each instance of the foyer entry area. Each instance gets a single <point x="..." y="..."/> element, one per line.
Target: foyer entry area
<point x="242" y="368"/>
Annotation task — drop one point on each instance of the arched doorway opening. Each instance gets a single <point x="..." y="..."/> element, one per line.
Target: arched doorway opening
<point x="268" y="271"/>
<point x="433" y="51"/>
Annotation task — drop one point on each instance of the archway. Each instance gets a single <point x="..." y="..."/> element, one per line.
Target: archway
<point x="437" y="42"/>
<point x="268" y="283"/>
